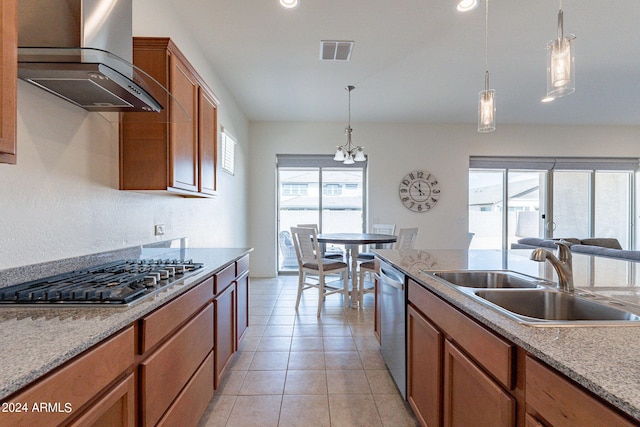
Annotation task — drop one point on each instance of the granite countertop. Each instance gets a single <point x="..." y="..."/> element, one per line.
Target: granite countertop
<point x="35" y="340"/>
<point x="605" y="360"/>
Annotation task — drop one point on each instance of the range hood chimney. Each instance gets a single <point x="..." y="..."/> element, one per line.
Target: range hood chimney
<point x="81" y="51"/>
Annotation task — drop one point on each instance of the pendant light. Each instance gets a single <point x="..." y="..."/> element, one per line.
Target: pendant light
<point x="486" y="97"/>
<point x="346" y="153"/>
<point x="466" y="5"/>
<point x="289" y="4"/>
<point x="560" y="62"/>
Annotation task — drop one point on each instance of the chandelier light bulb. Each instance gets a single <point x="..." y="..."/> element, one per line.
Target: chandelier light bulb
<point x="486" y="111"/>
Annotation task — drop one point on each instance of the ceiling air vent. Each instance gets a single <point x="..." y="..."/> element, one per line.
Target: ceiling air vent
<point x="335" y="50"/>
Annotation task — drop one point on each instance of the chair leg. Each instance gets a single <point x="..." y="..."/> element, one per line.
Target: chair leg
<point x="320" y="293"/>
<point x="361" y="290"/>
<point x="300" y="281"/>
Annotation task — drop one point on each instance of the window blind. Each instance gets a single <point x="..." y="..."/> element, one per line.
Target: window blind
<point x="555" y="163"/>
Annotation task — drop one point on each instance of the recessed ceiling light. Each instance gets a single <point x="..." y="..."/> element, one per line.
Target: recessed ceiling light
<point x="466" y="5"/>
<point x="289" y="4"/>
<point x="547" y="99"/>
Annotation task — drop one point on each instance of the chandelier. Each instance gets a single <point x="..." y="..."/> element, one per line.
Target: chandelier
<point x="347" y="153"/>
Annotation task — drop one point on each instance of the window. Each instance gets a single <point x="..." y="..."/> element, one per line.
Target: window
<point x="315" y="189"/>
<point x="550" y="198"/>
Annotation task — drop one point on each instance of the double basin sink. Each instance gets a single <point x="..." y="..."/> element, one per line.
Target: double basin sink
<point x="536" y="302"/>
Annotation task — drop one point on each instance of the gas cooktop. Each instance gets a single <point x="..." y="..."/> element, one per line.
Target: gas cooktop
<point x="118" y="283"/>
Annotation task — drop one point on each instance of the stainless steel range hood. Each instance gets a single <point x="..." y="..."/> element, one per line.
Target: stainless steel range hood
<point x="81" y="51"/>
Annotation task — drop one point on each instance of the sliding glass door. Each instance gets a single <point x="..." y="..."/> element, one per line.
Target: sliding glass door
<point x="318" y="190"/>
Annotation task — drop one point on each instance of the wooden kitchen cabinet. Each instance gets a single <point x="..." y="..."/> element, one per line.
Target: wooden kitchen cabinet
<point x="95" y="385"/>
<point x="8" y="80"/>
<point x="459" y="374"/>
<point x="225" y="337"/>
<point x="170" y="151"/>
<point x="553" y="400"/>
<point x="115" y="408"/>
<point x="471" y="397"/>
<point x="424" y="368"/>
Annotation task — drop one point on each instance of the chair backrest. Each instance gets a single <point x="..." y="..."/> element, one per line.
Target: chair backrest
<point x="383" y="228"/>
<point x="314" y="226"/>
<point x="305" y="241"/>
<point x="406" y="238"/>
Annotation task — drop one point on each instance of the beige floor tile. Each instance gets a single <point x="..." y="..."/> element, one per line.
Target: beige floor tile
<point x="306" y="360"/>
<point x="255" y="331"/>
<point x="381" y="381"/>
<point x="218" y="411"/>
<point x="269" y="361"/>
<point x="231" y="382"/>
<point x="339" y="344"/>
<point x="372" y="359"/>
<point x="259" y="411"/>
<point x="263" y="382"/>
<point x="394" y="411"/>
<point x="352" y="381"/>
<point x="249" y="343"/>
<point x="336" y="331"/>
<point x="307" y="330"/>
<point x="307" y="344"/>
<point x="304" y="411"/>
<point x="353" y="411"/>
<point x="281" y="320"/>
<point x="258" y="320"/>
<point x="306" y="382"/>
<point x="274" y="344"/>
<point x="288" y="310"/>
<point x="342" y="360"/>
<point x="369" y="342"/>
<point x="278" y="331"/>
<point x="241" y="361"/>
<point x="261" y="311"/>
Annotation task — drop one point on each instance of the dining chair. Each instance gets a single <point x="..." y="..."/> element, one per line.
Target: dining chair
<point x="377" y="229"/>
<point x="406" y="240"/>
<point x="335" y="253"/>
<point x="310" y="261"/>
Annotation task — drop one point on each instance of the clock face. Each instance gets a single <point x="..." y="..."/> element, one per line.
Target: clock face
<point x="419" y="191"/>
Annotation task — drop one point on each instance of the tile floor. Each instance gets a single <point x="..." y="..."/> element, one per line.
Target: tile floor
<point x="295" y="369"/>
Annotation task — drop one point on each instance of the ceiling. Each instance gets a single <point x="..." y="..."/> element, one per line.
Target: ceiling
<point x="420" y="61"/>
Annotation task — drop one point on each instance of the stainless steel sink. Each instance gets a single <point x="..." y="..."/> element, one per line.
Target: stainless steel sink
<point x="548" y="306"/>
<point x="499" y="279"/>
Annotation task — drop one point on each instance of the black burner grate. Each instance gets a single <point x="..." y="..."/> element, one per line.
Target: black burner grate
<point x="119" y="282"/>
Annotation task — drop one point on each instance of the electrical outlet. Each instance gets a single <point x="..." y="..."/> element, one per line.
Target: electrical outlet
<point x="159" y="229"/>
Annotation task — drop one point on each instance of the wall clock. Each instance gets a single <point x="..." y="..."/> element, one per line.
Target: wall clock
<point x="419" y="191"/>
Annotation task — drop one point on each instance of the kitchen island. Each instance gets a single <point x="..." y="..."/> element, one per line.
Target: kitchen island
<point x="603" y="360"/>
<point x="38" y="342"/>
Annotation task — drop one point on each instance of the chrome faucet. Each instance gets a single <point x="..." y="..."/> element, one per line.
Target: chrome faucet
<point x="562" y="264"/>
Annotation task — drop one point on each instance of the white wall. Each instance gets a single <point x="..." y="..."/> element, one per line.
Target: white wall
<point x="62" y="198"/>
<point x="396" y="149"/>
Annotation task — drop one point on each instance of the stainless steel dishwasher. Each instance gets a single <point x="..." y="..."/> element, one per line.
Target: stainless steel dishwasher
<point x="393" y="323"/>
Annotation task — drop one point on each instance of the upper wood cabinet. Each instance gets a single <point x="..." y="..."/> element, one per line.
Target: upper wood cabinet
<point x="174" y="150"/>
<point x="8" y="80"/>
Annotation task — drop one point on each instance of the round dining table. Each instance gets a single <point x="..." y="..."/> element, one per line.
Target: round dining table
<point x="352" y="242"/>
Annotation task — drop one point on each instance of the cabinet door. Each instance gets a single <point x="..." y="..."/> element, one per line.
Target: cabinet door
<point x="224" y="337"/>
<point x="242" y="306"/>
<point x="207" y="142"/>
<point x="115" y="408"/>
<point x="471" y="397"/>
<point x="184" y="138"/>
<point x="376" y="307"/>
<point x="8" y="80"/>
<point x="424" y="368"/>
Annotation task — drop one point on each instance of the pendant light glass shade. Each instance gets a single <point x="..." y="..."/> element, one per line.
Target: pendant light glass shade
<point x="561" y="63"/>
<point x="487" y="108"/>
<point x="466" y="5"/>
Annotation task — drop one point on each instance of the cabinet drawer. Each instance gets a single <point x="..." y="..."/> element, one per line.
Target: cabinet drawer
<point x="223" y="278"/>
<point x="168" y="369"/>
<point x="157" y="325"/>
<point x="242" y="265"/>
<point x="492" y="352"/>
<point x="562" y="404"/>
<point x="76" y="383"/>
<point x="192" y="402"/>
<point x="116" y="408"/>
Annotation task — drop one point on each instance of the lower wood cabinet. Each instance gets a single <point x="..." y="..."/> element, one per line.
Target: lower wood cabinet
<point x="72" y="390"/>
<point x="471" y="397"/>
<point x="225" y="337"/>
<point x="553" y="400"/>
<point x="424" y="368"/>
<point x="115" y="408"/>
